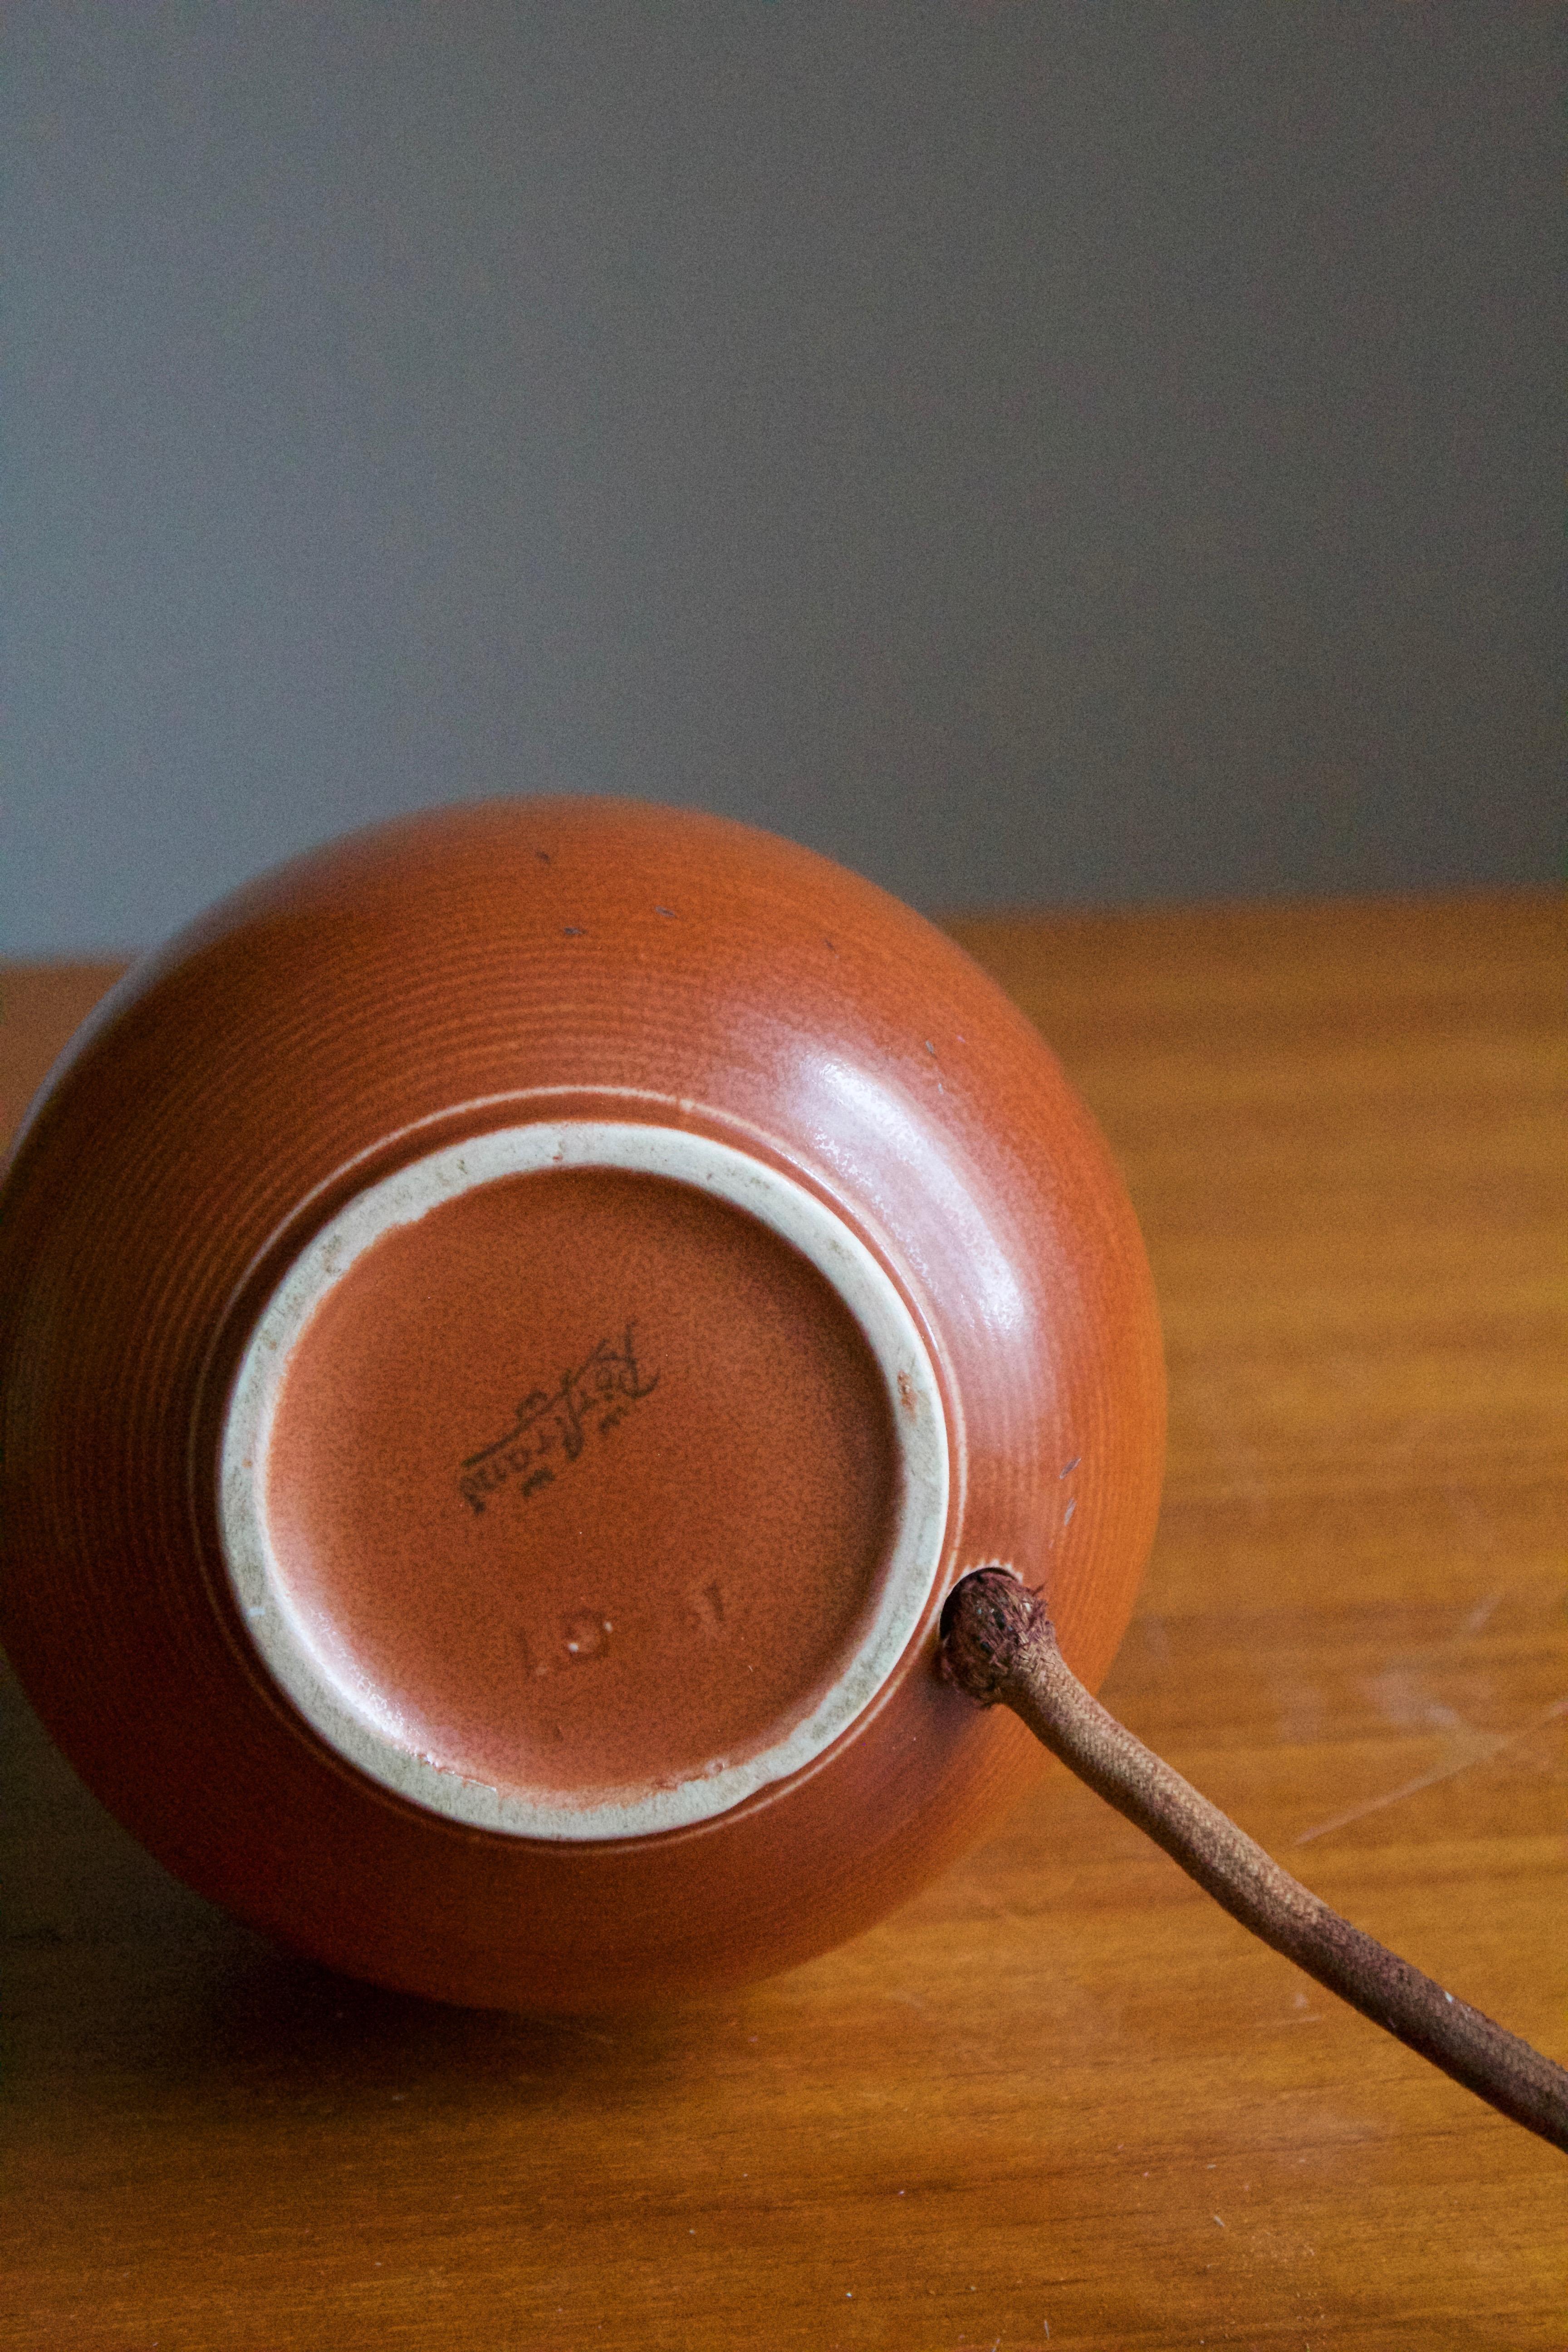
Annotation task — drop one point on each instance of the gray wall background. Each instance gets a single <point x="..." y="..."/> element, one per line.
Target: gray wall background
<point x="1034" y="453"/>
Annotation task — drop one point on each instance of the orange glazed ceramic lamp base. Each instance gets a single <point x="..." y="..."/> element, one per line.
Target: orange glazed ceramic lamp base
<point x="510" y="1329"/>
<point x="582" y="1479"/>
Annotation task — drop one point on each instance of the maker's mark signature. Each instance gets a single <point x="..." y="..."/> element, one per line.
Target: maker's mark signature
<point x="555" y="1421"/>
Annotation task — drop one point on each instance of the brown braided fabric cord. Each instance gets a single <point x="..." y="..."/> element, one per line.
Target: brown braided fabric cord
<point x="999" y="1647"/>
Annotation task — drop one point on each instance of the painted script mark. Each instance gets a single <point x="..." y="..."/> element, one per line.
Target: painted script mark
<point x="556" y="1421"/>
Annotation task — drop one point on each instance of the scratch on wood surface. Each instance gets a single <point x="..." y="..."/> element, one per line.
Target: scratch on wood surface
<point x="1483" y="1613"/>
<point x="1488" y="1744"/>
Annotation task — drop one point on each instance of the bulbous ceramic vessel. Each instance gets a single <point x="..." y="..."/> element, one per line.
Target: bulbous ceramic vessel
<point x="510" y="1329"/>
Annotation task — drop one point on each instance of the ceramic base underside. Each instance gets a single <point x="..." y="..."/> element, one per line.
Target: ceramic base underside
<point x="580" y="1481"/>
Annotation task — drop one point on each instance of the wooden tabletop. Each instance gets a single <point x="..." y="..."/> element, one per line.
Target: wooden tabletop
<point x="1060" y="2099"/>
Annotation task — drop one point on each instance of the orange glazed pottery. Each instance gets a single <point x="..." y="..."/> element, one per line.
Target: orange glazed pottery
<point x="510" y="1329"/>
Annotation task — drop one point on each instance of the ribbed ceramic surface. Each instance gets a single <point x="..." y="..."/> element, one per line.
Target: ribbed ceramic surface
<point x="470" y="970"/>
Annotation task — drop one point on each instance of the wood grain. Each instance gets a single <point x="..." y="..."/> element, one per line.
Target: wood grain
<point x="1060" y="2091"/>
